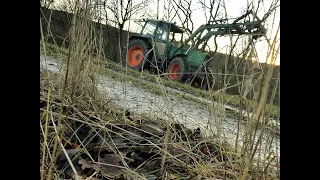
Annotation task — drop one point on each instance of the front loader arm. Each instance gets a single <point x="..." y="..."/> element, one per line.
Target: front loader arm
<point x="253" y="28"/>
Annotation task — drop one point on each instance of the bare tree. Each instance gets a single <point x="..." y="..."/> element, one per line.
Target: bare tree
<point x="169" y="11"/>
<point x="122" y="11"/>
<point x="212" y="7"/>
<point x="184" y="7"/>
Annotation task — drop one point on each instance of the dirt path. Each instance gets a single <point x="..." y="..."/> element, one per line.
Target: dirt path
<point x="192" y="114"/>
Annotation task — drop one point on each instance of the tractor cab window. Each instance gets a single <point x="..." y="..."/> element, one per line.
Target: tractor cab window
<point x="149" y="29"/>
<point x="162" y="31"/>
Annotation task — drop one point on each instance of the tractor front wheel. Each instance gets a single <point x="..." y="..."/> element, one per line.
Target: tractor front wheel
<point x="176" y="69"/>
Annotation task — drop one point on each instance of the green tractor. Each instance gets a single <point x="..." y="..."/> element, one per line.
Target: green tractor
<point x="155" y="48"/>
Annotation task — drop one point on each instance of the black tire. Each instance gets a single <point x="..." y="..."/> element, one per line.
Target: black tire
<point x="177" y="69"/>
<point x="138" y="55"/>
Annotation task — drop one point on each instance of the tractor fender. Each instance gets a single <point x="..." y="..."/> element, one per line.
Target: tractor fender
<point x="184" y="57"/>
<point x="178" y="55"/>
<point x="144" y="38"/>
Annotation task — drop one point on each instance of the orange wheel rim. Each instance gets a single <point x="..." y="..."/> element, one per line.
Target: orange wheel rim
<point x="173" y="72"/>
<point x="135" y="56"/>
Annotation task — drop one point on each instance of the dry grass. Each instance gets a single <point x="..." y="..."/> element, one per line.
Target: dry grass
<point x="94" y="126"/>
<point x="83" y="135"/>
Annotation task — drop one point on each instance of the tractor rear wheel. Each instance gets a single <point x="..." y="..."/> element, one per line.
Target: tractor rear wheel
<point x="177" y="69"/>
<point x="137" y="55"/>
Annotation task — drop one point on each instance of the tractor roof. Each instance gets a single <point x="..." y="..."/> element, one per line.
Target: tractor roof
<point x="174" y="27"/>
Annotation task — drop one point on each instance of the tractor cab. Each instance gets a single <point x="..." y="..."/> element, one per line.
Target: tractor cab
<point x="163" y="34"/>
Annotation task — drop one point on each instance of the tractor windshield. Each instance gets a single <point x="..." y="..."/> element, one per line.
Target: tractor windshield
<point x="162" y="31"/>
<point x="149" y="28"/>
